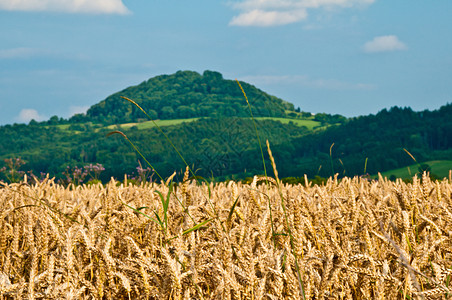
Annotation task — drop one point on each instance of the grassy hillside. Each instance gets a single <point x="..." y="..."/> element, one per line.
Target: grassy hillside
<point x="308" y="123"/>
<point x="150" y="124"/>
<point x="439" y="168"/>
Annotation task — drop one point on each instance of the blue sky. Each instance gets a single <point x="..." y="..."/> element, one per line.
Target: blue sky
<point x="351" y="57"/>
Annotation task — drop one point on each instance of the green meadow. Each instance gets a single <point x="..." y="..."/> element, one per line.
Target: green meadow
<point x="439" y="168"/>
<point x="150" y="124"/>
<point x="310" y="124"/>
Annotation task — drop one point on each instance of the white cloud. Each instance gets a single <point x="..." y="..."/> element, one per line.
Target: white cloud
<point x="281" y="12"/>
<point x="306" y="81"/>
<point x="21" y="52"/>
<point x="77" y="110"/>
<point x="268" y="18"/>
<point x="28" y="114"/>
<point x="68" y="6"/>
<point x="384" y="43"/>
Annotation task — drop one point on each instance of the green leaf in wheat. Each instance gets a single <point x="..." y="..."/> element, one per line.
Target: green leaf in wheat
<point x="196" y="227"/>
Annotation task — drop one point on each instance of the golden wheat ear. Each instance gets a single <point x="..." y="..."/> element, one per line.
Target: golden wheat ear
<point x="272" y="160"/>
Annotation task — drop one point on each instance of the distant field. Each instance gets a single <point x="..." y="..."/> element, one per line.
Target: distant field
<point x="438" y="167"/>
<point x="150" y="124"/>
<point x="310" y="124"/>
<point x="63" y="126"/>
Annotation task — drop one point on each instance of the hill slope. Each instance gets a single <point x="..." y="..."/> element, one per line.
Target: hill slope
<point x="185" y="94"/>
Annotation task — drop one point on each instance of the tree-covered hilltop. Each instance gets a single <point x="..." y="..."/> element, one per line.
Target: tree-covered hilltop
<point x="185" y="94"/>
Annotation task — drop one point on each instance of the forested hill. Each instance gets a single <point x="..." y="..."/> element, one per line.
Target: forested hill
<point x="185" y="94"/>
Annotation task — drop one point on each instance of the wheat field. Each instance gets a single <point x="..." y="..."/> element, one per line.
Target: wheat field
<point x="347" y="239"/>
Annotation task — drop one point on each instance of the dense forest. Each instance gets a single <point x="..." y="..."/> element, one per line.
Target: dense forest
<point x="222" y="141"/>
<point x="217" y="146"/>
<point x="375" y="142"/>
